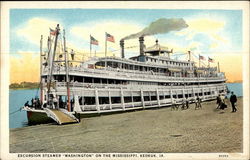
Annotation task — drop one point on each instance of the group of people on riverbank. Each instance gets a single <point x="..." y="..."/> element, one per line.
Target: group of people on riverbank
<point x="185" y="104"/>
<point x="221" y="103"/>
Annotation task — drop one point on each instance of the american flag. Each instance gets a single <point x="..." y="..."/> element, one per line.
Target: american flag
<point x="110" y="38"/>
<point x="52" y="32"/>
<point x="93" y="40"/>
<point x="210" y="60"/>
<point x="201" y="57"/>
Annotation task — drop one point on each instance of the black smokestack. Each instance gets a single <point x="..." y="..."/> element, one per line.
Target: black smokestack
<point x="160" y="26"/>
<point x="122" y="48"/>
<point x="141" y="40"/>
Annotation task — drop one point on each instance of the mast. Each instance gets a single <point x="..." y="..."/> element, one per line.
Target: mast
<point x="53" y="57"/>
<point x="105" y="50"/>
<point x="41" y="67"/>
<point x="67" y="71"/>
<point x="90" y="47"/>
<point x="105" y="44"/>
<point x="189" y="56"/>
<point x="199" y="61"/>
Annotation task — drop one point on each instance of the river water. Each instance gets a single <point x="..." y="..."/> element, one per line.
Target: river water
<point x="17" y="99"/>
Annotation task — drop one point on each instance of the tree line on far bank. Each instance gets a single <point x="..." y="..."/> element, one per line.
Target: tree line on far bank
<point x="24" y="85"/>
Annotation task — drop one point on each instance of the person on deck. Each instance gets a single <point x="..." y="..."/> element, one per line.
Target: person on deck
<point x="233" y="100"/>
<point x="55" y="101"/>
<point x="27" y="104"/>
<point x="72" y="53"/>
<point x="32" y="102"/>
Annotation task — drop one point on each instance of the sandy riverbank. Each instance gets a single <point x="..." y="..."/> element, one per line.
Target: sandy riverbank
<point x="161" y="130"/>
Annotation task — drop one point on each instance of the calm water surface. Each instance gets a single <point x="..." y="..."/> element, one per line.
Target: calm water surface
<point x="17" y="99"/>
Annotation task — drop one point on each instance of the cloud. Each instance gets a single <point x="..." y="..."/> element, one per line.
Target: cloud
<point x="209" y="27"/>
<point x="220" y="38"/>
<point x="24" y="67"/>
<point x="206" y="25"/>
<point x="194" y="45"/>
<point x="214" y="45"/>
<point x="36" y="27"/>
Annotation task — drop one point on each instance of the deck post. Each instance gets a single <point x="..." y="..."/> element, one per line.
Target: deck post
<point x="132" y="98"/>
<point x="142" y="99"/>
<point x="97" y="101"/>
<point x="122" y="100"/>
<point x="171" y="96"/>
<point x="110" y="103"/>
<point x="203" y="93"/>
<point x="217" y="90"/>
<point x="183" y="92"/>
<point x="83" y="101"/>
<point x="158" y="98"/>
<point x="193" y="92"/>
<point x="163" y="96"/>
<point x="76" y="104"/>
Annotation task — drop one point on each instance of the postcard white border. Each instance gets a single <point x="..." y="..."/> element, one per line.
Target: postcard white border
<point x="232" y="5"/>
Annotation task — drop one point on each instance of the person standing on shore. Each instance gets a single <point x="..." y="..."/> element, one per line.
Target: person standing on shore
<point x="233" y="100"/>
<point x="198" y="103"/>
<point x="187" y="102"/>
<point x="218" y="101"/>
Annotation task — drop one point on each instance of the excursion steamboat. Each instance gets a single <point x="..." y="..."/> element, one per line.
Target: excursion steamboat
<point x="152" y="79"/>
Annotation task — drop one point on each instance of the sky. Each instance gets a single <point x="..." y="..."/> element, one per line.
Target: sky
<point x="211" y="33"/>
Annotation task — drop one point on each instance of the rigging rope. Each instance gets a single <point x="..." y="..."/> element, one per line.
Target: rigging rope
<point x="16" y="111"/>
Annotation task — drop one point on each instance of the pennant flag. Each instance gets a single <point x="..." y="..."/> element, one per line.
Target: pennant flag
<point x="201" y="57"/>
<point x="210" y="59"/>
<point x="110" y="38"/>
<point x="93" y="40"/>
<point x="52" y="32"/>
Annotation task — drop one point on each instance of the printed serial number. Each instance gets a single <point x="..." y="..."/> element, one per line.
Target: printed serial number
<point x="223" y="155"/>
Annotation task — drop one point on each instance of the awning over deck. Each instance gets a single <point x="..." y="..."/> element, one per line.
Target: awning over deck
<point x="174" y="69"/>
<point x="200" y="71"/>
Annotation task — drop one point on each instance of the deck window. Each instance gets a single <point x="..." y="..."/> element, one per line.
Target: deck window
<point x="115" y="100"/>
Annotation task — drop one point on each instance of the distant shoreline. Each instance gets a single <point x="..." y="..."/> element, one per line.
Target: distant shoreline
<point x="22" y="88"/>
<point x="24" y="85"/>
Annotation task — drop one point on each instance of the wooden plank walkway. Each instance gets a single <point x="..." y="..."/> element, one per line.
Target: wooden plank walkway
<point x="62" y="117"/>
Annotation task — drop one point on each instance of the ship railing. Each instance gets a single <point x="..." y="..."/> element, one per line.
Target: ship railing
<point x="146" y="74"/>
<point x="134" y="74"/>
<point x="130" y="86"/>
<point x="165" y="101"/>
<point x="151" y="63"/>
<point x="80" y="69"/>
<point x="91" y="85"/>
<point x="150" y="75"/>
<point x="120" y="106"/>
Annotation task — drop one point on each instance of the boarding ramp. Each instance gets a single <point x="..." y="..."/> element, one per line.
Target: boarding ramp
<point x="61" y="116"/>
